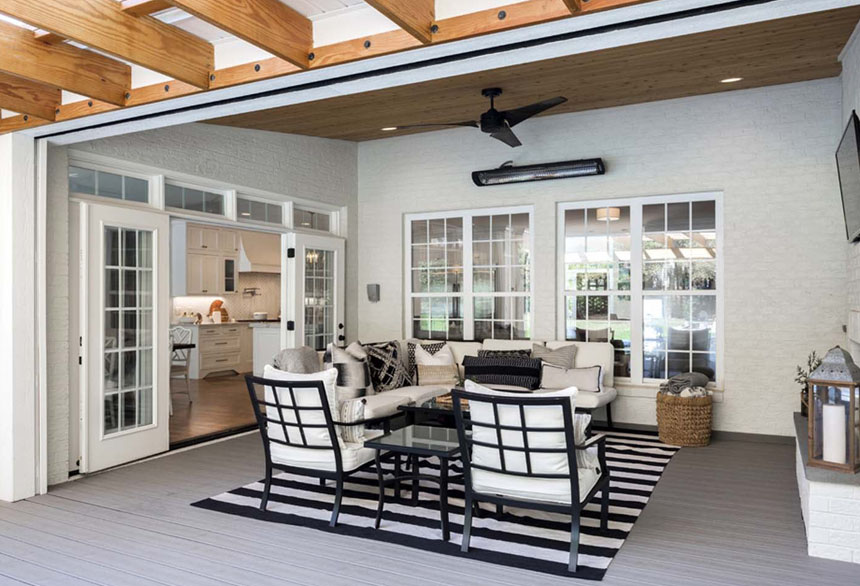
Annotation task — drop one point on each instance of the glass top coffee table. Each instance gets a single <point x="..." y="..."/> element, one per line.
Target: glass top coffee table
<point x="438" y="411"/>
<point x="416" y="442"/>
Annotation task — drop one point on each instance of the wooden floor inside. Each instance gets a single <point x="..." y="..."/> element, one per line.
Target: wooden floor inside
<point x="727" y="514"/>
<point x="220" y="405"/>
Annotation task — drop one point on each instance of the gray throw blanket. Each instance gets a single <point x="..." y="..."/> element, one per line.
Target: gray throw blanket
<point x="679" y="382"/>
<point x="304" y="360"/>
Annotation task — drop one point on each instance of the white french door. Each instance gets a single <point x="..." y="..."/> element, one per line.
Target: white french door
<point x="313" y="269"/>
<point x="124" y="382"/>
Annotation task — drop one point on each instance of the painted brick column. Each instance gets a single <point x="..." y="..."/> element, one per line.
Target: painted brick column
<point x="18" y="415"/>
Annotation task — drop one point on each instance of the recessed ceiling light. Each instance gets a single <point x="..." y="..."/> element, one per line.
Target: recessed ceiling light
<point x="731" y="80"/>
<point x="246" y="213"/>
<point x="389" y="128"/>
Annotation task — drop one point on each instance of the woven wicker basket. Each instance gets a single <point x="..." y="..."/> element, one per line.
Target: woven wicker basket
<point x="684" y="421"/>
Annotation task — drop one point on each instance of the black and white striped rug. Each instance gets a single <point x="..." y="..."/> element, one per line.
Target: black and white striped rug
<point x="521" y="538"/>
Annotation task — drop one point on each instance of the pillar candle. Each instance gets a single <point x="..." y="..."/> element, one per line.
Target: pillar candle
<point x="833" y="433"/>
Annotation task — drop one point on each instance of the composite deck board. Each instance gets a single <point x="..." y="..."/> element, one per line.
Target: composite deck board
<point x="728" y="514"/>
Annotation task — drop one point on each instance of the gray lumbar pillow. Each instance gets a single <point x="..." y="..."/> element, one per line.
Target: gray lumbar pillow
<point x="304" y="360"/>
<point x="584" y="379"/>
<point x="562" y="357"/>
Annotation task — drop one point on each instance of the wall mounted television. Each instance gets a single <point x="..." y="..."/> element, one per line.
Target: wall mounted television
<point x="848" y="164"/>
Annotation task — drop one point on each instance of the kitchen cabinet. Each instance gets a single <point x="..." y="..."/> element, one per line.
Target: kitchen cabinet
<point x="203" y="275"/>
<point x="228" y="241"/>
<point x="203" y="239"/>
<point x="219" y="349"/>
<point x="228" y="274"/>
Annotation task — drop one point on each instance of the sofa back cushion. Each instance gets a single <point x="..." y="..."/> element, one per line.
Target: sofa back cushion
<point x="490" y="344"/>
<point x="592" y="354"/>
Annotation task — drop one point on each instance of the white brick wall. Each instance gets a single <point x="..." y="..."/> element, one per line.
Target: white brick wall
<point x="311" y="168"/>
<point x="769" y="150"/>
<point x="831" y="513"/>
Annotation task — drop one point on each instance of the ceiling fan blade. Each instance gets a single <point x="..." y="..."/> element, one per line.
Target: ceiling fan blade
<point x="507" y="136"/>
<point x="517" y="115"/>
<point x="470" y="123"/>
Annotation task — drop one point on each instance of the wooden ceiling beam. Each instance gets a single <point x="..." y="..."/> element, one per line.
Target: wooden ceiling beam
<point x="499" y="19"/>
<point x="28" y="97"/>
<point x="144" y="7"/>
<point x="133" y="7"/>
<point x="414" y="16"/>
<point x="574" y="5"/>
<point x="102" y="24"/>
<point x="63" y="66"/>
<point x="267" y="24"/>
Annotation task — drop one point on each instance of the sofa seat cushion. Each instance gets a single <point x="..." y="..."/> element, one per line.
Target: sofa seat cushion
<point x="591" y="400"/>
<point x="353" y="455"/>
<point x="383" y="404"/>
<point x="420" y="393"/>
<point x="533" y="489"/>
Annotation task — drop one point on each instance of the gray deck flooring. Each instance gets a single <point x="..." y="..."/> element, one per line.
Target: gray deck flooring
<point x="727" y="514"/>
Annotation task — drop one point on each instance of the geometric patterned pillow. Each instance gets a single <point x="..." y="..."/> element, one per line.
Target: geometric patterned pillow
<point x="519" y="372"/>
<point x="505" y="353"/>
<point x="387" y="371"/>
<point x="410" y="353"/>
<point x="350" y="411"/>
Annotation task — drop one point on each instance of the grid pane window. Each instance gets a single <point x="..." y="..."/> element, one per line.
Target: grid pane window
<point x="597" y="271"/>
<point x="501" y="276"/>
<point x="648" y="286"/>
<point x="128" y="326"/>
<point x="251" y="210"/>
<point x="437" y="267"/>
<point x="110" y="185"/>
<point x="319" y="298"/>
<point x="497" y="259"/>
<point x="193" y="200"/>
<point x="679" y="282"/>
<point x="311" y="220"/>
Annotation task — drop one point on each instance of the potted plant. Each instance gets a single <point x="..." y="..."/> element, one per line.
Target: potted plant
<point x="802" y="378"/>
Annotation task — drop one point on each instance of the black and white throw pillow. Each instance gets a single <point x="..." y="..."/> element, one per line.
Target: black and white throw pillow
<point x="432" y="348"/>
<point x="505" y="353"/>
<point x="353" y="371"/>
<point x="387" y="370"/>
<point x="516" y="372"/>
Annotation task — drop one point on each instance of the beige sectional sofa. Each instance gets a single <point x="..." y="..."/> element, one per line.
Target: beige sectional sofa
<point x="587" y="354"/>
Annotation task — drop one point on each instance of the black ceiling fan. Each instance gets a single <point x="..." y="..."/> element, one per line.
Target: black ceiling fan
<point x="495" y="123"/>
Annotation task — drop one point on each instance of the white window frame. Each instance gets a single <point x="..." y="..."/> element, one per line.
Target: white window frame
<point x="467" y="295"/>
<point x="282" y="204"/>
<point x="636" y="291"/>
<point x="158" y="178"/>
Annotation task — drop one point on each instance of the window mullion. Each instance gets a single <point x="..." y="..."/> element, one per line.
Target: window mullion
<point x="468" y="305"/>
<point x="636" y="309"/>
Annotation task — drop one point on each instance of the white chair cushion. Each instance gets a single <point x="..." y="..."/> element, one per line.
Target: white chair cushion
<point x="419" y="394"/>
<point x="352" y="455"/>
<point x="537" y="416"/>
<point x="589" y="400"/>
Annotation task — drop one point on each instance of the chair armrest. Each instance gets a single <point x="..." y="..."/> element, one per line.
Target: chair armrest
<point x="595" y="439"/>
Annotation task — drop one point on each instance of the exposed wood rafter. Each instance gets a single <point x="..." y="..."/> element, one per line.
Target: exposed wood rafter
<point x="29" y="97"/>
<point x="103" y="25"/>
<point x="414" y="16"/>
<point x="63" y="66"/>
<point x="267" y="24"/>
<point x="124" y="29"/>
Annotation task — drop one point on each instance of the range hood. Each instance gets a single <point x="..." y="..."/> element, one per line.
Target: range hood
<point x="260" y="253"/>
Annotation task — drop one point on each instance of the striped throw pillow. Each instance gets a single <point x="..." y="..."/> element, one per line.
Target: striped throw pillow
<point x="517" y="372"/>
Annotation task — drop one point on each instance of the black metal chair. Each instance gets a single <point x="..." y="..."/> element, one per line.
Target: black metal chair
<point x="302" y="420"/>
<point x="517" y="446"/>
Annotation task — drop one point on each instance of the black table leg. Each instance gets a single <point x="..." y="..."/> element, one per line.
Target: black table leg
<point x="397" y="474"/>
<point x="443" y="497"/>
<point x="415" y="471"/>
<point x="381" y="481"/>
